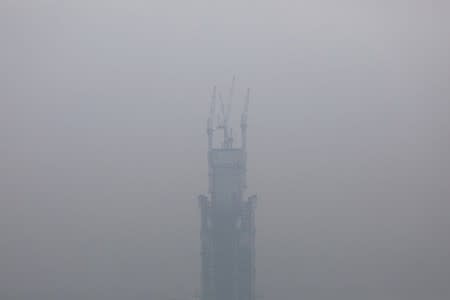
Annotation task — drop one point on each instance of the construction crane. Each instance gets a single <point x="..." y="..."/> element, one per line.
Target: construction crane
<point x="223" y="117"/>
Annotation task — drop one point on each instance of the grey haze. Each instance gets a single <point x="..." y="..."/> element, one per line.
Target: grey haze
<point x="103" y="108"/>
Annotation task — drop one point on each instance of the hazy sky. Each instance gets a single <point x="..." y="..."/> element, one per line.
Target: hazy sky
<point x="103" y="108"/>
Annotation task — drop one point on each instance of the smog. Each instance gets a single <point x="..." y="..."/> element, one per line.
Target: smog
<point x="333" y="183"/>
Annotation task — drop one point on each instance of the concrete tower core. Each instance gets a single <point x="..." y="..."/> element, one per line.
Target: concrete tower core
<point x="227" y="220"/>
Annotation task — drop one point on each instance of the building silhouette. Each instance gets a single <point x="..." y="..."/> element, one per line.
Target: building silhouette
<point x="227" y="218"/>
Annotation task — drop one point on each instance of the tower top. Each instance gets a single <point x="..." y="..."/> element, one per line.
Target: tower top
<point x="219" y="120"/>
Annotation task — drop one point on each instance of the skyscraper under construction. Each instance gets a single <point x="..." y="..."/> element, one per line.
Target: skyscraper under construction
<point x="227" y="219"/>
